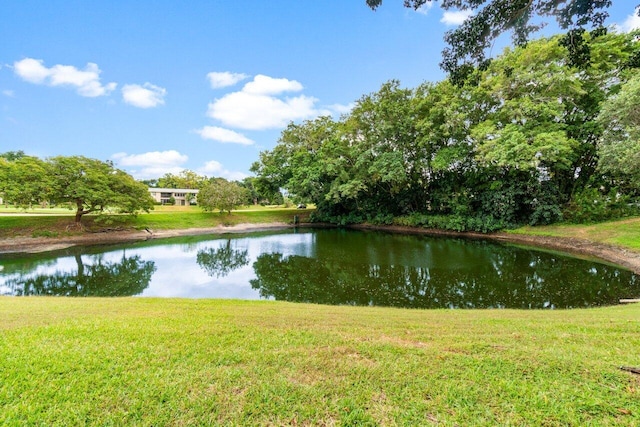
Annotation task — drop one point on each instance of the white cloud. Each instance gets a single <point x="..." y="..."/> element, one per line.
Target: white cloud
<point x="223" y="135"/>
<point x="425" y="8"/>
<point x="265" y="85"/>
<point x="215" y="169"/>
<point x="145" y="96"/>
<point x="261" y="105"/>
<point x="31" y="70"/>
<point x="9" y="93"/>
<point x="224" y="79"/>
<point x="631" y="23"/>
<point x="258" y="112"/>
<point x="153" y="164"/>
<point x="157" y="158"/>
<point x="455" y="18"/>
<point x="86" y="82"/>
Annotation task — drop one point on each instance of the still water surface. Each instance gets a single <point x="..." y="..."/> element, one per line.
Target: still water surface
<point x="328" y="267"/>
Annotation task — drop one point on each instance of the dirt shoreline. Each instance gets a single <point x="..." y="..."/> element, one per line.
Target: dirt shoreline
<point x="609" y="253"/>
<point x="17" y="245"/>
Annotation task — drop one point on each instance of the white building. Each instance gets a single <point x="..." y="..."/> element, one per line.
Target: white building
<point x="182" y="196"/>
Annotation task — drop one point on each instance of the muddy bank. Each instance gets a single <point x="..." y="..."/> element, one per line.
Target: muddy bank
<point x="613" y="254"/>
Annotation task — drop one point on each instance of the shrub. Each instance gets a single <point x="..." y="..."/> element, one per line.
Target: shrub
<point x="591" y="205"/>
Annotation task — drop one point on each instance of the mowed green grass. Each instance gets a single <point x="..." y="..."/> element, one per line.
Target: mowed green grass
<point x="195" y="218"/>
<point x="151" y="362"/>
<point x="16" y="223"/>
<point x="624" y="233"/>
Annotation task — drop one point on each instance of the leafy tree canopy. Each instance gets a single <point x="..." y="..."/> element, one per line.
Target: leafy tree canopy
<point x="516" y="146"/>
<point x="24" y="181"/>
<point x="468" y="43"/>
<point x="221" y="194"/>
<point x="13" y="155"/>
<point x="93" y="186"/>
<point x="89" y="185"/>
<point x="620" y="147"/>
<point x="186" y="179"/>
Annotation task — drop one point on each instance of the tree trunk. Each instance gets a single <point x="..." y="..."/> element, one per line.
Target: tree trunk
<point x="79" y="212"/>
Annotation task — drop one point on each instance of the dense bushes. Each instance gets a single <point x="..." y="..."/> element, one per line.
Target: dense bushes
<point x="591" y="205"/>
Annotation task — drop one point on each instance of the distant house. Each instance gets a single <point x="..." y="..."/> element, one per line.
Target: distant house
<point x="182" y="196"/>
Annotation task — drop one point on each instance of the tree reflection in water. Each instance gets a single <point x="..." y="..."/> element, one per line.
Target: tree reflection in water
<point x="129" y="276"/>
<point x="510" y="279"/>
<point x="328" y="267"/>
<point x="223" y="260"/>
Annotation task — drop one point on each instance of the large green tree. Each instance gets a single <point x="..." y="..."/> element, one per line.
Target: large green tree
<point x="515" y="144"/>
<point x="305" y="160"/>
<point x="619" y="150"/>
<point x="185" y="179"/>
<point x="25" y="181"/>
<point x="221" y="194"/>
<point x="91" y="185"/>
<point x="262" y="191"/>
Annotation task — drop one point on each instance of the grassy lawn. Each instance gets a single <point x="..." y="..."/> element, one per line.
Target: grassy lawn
<point x="136" y="361"/>
<point x="150" y="362"/>
<point x="194" y="217"/>
<point x="622" y="233"/>
<point x="37" y="223"/>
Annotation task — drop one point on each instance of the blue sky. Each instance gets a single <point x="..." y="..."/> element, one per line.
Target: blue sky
<point x="161" y="86"/>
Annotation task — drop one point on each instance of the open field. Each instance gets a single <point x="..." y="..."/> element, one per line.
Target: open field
<point x="37" y="223"/>
<point x="203" y="362"/>
<point x="170" y="220"/>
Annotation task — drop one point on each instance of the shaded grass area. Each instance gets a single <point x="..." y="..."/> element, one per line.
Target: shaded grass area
<point x="622" y="233"/>
<point x="203" y="362"/>
<point x="40" y="225"/>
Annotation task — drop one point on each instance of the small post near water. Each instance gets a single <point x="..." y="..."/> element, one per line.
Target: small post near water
<point x="296" y="220"/>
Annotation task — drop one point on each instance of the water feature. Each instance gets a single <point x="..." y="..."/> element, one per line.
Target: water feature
<point x="327" y="267"/>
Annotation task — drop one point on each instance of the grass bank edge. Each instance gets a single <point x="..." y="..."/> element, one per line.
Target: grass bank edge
<point x="624" y="233"/>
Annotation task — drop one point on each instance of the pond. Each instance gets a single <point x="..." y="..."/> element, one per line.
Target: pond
<point x="340" y="267"/>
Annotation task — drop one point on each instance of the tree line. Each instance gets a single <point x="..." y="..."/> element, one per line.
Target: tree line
<point x="84" y="184"/>
<point x="248" y="191"/>
<point x="539" y="134"/>
<point x="91" y="186"/>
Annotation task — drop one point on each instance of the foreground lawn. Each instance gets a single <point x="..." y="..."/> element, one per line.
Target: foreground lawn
<point x="137" y="361"/>
<point x="622" y="233"/>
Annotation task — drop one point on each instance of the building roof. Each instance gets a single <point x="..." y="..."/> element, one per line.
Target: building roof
<point x="173" y="190"/>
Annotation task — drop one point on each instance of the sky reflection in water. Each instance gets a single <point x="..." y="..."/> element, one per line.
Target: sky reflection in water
<point x="325" y="266"/>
